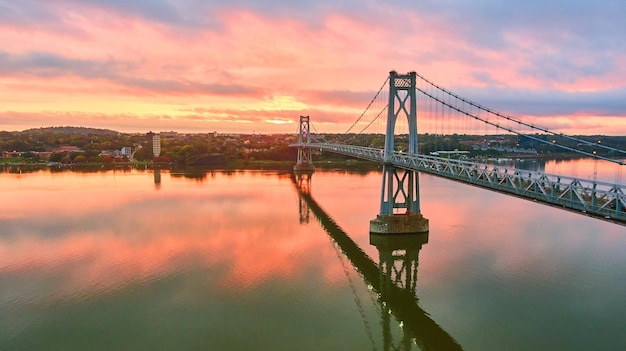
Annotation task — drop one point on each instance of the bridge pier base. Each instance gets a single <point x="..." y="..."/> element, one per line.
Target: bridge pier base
<point x="399" y="204"/>
<point x="408" y="223"/>
<point x="304" y="167"/>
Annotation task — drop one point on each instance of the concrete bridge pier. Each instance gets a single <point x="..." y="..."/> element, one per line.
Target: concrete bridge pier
<point x="408" y="223"/>
<point x="399" y="205"/>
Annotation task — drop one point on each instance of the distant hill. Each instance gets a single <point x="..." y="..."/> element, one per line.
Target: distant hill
<point x="70" y="130"/>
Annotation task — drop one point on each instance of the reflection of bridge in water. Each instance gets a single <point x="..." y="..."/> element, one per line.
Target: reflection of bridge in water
<point x="393" y="280"/>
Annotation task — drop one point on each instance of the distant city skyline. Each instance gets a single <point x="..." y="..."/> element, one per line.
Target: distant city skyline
<point x="255" y="66"/>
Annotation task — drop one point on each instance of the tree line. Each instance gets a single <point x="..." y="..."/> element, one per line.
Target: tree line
<point x="207" y="149"/>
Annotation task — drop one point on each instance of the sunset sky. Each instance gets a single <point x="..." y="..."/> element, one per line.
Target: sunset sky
<point x="243" y="66"/>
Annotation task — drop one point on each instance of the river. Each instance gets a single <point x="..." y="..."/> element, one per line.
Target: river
<point x="240" y="260"/>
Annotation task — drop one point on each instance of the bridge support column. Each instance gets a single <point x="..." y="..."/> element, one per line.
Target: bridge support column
<point x="400" y="191"/>
<point x="305" y="159"/>
<point x="400" y="188"/>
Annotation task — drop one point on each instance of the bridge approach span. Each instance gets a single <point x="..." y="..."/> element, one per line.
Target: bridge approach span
<point x="597" y="199"/>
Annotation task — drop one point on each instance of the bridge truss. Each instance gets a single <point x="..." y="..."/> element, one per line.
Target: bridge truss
<point x="594" y="198"/>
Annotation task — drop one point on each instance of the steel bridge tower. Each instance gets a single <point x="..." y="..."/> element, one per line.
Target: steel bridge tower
<point x="400" y="202"/>
<point x="305" y="159"/>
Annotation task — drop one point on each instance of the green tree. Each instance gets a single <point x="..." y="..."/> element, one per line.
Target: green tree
<point x="56" y="157"/>
<point x="80" y="159"/>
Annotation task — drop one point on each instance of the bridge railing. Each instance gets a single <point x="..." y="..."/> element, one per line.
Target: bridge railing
<point x="596" y="198"/>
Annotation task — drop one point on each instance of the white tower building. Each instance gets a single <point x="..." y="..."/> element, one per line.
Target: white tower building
<point x="156" y="145"/>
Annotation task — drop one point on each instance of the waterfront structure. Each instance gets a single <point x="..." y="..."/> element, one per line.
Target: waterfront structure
<point x="305" y="159"/>
<point x="67" y="149"/>
<point x="400" y="197"/>
<point x="156" y="145"/>
<point x="126" y="151"/>
<point x="400" y="188"/>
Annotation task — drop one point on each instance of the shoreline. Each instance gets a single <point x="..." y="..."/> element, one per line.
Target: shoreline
<point x="260" y="163"/>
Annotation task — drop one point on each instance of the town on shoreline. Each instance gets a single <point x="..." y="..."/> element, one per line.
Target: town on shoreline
<point x="62" y="146"/>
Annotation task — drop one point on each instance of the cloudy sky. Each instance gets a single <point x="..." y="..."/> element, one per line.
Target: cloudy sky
<point x="255" y="65"/>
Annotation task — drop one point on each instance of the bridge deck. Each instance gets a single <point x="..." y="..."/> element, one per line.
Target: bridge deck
<point x="597" y="199"/>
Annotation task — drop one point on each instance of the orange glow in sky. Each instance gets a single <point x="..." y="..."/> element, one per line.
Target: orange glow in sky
<point x="248" y="66"/>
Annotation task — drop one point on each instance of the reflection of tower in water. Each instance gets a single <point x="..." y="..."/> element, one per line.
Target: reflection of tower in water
<point x="393" y="282"/>
<point x="157" y="178"/>
<point x="398" y="257"/>
<point x="303" y="182"/>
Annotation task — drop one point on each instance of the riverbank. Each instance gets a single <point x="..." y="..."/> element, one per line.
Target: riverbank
<point x="22" y="167"/>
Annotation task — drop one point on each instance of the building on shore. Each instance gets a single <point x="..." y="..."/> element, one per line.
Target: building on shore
<point x="156" y="145"/>
<point x="126" y="151"/>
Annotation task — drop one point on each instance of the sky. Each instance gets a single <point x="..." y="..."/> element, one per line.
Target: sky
<point x="255" y="66"/>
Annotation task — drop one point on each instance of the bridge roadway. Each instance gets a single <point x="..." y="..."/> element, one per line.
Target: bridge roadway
<point x="593" y="198"/>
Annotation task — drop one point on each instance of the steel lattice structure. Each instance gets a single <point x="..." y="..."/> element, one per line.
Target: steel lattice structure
<point x="594" y="198"/>
<point x="400" y="188"/>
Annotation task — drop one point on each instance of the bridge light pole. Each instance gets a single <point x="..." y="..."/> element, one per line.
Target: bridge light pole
<point x="400" y="187"/>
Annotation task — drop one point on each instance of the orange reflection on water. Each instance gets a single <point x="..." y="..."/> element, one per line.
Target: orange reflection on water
<point x="245" y="226"/>
<point x="89" y="232"/>
<point x="48" y="194"/>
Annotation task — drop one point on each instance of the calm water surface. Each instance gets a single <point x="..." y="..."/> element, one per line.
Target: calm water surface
<point x="241" y="260"/>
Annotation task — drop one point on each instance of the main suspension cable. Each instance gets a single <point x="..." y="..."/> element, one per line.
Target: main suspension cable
<point x="509" y="118"/>
<point x="368" y="107"/>
<point x="518" y="133"/>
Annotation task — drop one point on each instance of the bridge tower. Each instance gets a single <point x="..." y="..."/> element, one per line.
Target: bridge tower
<point x="400" y="203"/>
<point x="305" y="159"/>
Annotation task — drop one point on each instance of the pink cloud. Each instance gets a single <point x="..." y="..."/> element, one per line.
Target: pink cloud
<point x="330" y="64"/>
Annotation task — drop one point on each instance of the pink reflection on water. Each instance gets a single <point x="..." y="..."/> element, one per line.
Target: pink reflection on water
<point x="588" y="168"/>
<point x="48" y="194"/>
<point x="117" y="232"/>
<point x="80" y="234"/>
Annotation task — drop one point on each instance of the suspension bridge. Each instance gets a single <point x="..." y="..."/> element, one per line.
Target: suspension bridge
<point x="405" y="100"/>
